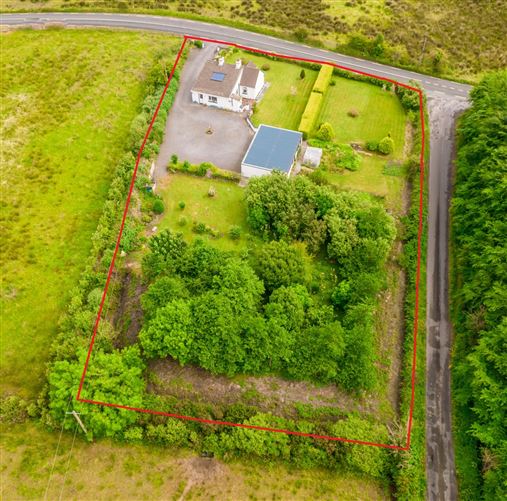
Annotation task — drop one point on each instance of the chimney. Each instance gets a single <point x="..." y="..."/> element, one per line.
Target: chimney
<point x="238" y="64"/>
<point x="221" y="61"/>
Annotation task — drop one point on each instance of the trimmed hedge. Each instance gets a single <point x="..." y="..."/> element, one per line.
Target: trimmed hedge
<point x="323" y="79"/>
<point x="311" y="113"/>
<point x="202" y="169"/>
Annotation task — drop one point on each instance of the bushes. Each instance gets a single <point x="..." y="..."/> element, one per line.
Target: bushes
<point x="323" y="79"/>
<point x="158" y="206"/>
<point x="202" y="169"/>
<point x="310" y="114"/>
<point x="325" y="132"/>
<point x="386" y="145"/>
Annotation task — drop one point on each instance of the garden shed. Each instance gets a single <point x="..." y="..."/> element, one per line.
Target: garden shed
<point x="272" y="148"/>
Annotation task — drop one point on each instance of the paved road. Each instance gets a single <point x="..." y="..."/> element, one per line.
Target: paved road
<point x="441" y="475"/>
<point x="447" y="99"/>
<point x="197" y="28"/>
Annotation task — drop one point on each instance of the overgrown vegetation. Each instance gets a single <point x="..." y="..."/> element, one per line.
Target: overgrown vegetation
<point x="424" y="36"/>
<point x="479" y="295"/>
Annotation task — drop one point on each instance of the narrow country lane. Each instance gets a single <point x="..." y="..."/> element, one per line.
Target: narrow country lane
<point x="440" y="469"/>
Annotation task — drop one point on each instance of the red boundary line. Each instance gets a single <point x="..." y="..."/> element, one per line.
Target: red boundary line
<point x="418" y="270"/>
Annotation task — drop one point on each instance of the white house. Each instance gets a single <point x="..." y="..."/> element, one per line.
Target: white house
<point x="233" y="87"/>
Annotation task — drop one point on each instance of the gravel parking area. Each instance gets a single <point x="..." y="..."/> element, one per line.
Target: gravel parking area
<point x="188" y="123"/>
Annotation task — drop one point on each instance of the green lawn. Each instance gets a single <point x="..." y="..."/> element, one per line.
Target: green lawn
<point x="220" y="212"/>
<point x="284" y="102"/>
<point x="380" y="113"/>
<point x="67" y="100"/>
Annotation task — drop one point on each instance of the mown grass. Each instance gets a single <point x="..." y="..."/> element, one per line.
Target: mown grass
<point x="379" y="113"/>
<point x="68" y="98"/>
<point x="284" y="101"/>
<point x="108" y="470"/>
<point x="221" y="212"/>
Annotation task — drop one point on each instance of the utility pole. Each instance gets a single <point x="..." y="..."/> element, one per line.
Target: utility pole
<point x="423" y="47"/>
<point x="78" y="419"/>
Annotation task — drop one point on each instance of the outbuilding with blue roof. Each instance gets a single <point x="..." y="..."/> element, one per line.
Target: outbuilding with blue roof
<point x="272" y="148"/>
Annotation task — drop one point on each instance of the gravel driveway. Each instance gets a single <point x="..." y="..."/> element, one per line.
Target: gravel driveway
<point x="187" y="123"/>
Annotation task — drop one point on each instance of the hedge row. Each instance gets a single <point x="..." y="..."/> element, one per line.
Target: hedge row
<point x="361" y="78"/>
<point x="203" y="169"/>
<point x="323" y="79"/>
<point x="310" y="114"/>
<point x="410" y="475"/>
<point x="77" y="323"/>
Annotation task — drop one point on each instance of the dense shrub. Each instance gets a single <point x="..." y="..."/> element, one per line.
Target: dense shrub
<point x="386" y="145"/>
<point x="158" y="206"/>
<point x="111" y="377"/>
<point x="325" y="132"/>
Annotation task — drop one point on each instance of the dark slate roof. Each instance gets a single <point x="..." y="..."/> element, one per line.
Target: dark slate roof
<point x="249" y="76"/>
<point x="273" y="148"/>
<point x="207" y="84"/>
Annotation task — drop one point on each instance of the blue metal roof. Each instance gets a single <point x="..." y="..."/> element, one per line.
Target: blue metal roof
<point x="273" y="148"/>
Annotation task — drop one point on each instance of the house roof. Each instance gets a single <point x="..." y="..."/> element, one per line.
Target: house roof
<point x="250" y="75"/>
<point x="217" y="80"/>
<point x="273" y="148"/>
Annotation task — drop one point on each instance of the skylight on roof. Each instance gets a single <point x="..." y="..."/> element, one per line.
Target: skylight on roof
<point x="218" y="76"/>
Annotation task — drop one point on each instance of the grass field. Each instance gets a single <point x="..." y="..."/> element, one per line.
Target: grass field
<point x="68" y="98"/>
<point x="379" y="113"/>
<point x="107" y="470"/>
<point x="220" y="212"/>
<point x="425" y="36"/>
<point x="284" y="102"/>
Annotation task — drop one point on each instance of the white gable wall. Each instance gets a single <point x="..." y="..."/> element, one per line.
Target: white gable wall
<point x="225" y="103"/>
<point x="253" y="92"/>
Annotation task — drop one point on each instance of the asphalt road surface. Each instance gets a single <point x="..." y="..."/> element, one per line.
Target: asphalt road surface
<point x="446" y="100"/>
<point x="441" y="476"/>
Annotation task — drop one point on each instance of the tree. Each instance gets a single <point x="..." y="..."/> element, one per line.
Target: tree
<point x="219" y="347"/>
<point x="115" y="377"/>
<point x="325" y="132"/>
<point x="302" y="75"/>
<point x="166" y="249"/>
<point x="170" y="333"/>
<point x="160" y="293"/>
<point x="278" y="264"/>
<point x="318" y="353"/>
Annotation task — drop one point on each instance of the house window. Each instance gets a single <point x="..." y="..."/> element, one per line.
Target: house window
<point x="245" y="90"/>
<point x="200" y="96"/>
<point x="212" y="99"/>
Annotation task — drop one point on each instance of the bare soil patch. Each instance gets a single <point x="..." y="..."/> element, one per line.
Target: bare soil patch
<point x="267" y="393"/>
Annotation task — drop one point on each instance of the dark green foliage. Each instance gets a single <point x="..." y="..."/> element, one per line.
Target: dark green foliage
<point x="479" y="227"/>
<point x="302" y="74"/>
<point x="158" y="206"/>
<point x="181" y="205"/>
<point x="112" y="377"/>
<point x="278" y="264"/>
<point x="162" y="292"/>
<point x="165" y="250"/>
